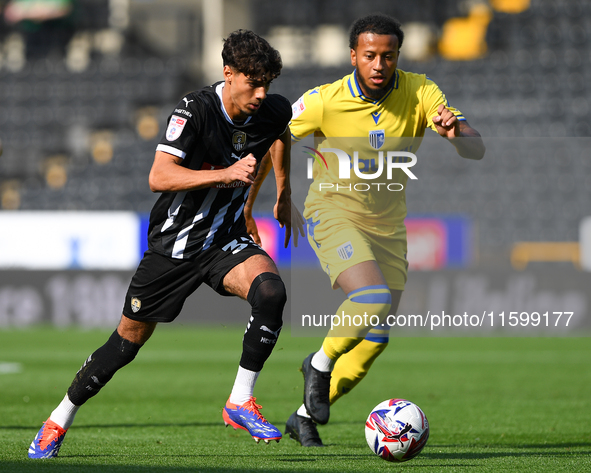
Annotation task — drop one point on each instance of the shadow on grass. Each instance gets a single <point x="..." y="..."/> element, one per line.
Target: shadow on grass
<point x="119" y="426"/>
<point x="356" y="463"/>
<point x="538" y="446"/>
<point x="304" y="461"/>
<point x="308" y="461"/>
<point x="556" y="450"/>
<point x="56" y="465"/>
<point x="291" y="463"/>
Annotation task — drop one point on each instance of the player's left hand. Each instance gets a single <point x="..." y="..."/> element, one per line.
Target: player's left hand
<point x="446" y="122"/>
<point x="251" y="227"/>
<point x="288" y="215"/>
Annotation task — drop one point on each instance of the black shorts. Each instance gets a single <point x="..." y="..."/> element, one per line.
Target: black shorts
<point x="161" y="284"/>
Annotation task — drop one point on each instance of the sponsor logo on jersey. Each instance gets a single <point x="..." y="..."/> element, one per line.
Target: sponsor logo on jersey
<point x="231" y="185"/>
<point x="297" y="108"/>
<point x="182" y="111"/>
<point x="377" y="138"/>
<point x="345" y="251"/>
<point x="136" y="304"/>
<point x="238" y="140"/>
<point x="175" y="127"/>
<point x="187" y="101"/>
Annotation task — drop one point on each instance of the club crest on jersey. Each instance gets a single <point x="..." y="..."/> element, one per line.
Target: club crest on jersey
<point x="175" y="127"/>
<point x="238" y="140"/>
<point x="345" y="251"/>
<point x="136" y="304"/>
<point x="377" y="138"/>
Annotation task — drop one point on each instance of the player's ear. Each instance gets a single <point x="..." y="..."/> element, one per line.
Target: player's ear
<point x="353" y="58"/>
<point x="228" y="73"/>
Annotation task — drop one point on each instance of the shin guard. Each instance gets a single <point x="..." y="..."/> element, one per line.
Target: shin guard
<point x="267" y="297"/>
<point x="371" y="305"/>
<point x="100" y="367"/>
<point x="352" y="367"/>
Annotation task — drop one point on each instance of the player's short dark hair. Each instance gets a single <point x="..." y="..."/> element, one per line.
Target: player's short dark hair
<point x="377" y="24"/>
<point x="252" y="55"/>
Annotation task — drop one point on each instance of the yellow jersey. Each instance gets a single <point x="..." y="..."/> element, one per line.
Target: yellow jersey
<point x="378" y="138"/>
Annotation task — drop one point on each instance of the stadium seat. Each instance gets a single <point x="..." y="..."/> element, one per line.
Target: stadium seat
<point x="577" y="35"/>
<point x="524" y="253"/>
<point x="510" y="6"/>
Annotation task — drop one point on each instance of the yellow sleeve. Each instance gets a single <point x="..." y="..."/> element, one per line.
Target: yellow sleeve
<point x="432" y="97"/>
<point x="307" y="114"/>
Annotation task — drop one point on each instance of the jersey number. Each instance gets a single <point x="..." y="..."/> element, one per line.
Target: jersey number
<point x="234" y="246"/>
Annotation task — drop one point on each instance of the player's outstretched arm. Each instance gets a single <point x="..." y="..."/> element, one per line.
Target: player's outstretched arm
<point x="281" y="157"/>
<point x="167" y="174"/>
<point x="465" y="139"/>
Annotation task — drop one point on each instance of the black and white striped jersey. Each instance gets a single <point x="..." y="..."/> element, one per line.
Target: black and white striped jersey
<point x="199" y="131"/>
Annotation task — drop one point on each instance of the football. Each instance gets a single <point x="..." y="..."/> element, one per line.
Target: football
<point x="397" y="430"/>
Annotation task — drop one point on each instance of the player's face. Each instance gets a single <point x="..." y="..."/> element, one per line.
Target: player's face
<point x="376" y="58"/>
<point x="243" y="95"/>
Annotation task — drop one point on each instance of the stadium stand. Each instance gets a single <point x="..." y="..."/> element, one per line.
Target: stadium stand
<point x="73" y="140"/>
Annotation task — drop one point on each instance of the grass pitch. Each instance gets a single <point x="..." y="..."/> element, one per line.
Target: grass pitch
<point x="494" y="404"/>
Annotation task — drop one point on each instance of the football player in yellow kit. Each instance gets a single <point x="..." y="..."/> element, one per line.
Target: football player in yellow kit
<point x="356" y="226"/>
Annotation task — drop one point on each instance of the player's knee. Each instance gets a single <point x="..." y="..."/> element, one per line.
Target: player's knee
<point x="267" y="296"/>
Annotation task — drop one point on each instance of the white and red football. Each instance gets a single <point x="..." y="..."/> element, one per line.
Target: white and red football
<point x="397" y="430"/>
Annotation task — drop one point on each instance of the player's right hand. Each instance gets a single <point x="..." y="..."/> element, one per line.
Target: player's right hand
<point x="446" y="123"/>
<point x="242" y="170"/>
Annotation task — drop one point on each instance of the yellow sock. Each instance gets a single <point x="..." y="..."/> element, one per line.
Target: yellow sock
<point x="363" y="309"/>
<point x="352" y="367"/>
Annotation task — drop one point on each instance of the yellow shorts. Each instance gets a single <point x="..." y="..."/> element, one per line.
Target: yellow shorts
<point x="340" y="244"/>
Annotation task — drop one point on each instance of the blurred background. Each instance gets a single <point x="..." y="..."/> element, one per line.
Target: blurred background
<point x="86" y="87"/>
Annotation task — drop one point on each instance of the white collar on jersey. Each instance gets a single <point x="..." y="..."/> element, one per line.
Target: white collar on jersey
<point x="218" y="90"/>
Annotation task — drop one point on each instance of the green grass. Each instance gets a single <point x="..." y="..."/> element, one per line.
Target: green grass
<point x="494" y="404"/>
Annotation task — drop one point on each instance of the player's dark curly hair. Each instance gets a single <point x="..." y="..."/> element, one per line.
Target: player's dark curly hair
<point x="252" y="55"/>
<point x="377" y="24"/>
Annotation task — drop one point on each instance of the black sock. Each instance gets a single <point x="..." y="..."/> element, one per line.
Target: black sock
<point x="267" y="297"/>
<point x="100" y="367"/>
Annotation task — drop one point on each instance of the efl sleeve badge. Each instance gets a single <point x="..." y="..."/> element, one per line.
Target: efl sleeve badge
<point x="175" y="127"/>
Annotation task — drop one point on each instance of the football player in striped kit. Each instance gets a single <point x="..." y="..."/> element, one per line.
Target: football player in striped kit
<point x="204" y="167"/>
